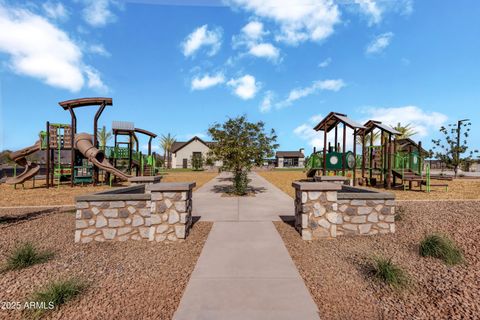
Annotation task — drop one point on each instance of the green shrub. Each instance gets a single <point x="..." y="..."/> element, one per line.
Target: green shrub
<point x="441" y="247"/>
<point x="54" y="294"/>
<point x="26" y="255"/>
<point x="386" y="271"/>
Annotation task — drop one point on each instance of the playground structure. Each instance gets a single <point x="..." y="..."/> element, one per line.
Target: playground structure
<point x="86" y="158"/>
<point x="386" y="162"/>
<point x="124" y="154"/>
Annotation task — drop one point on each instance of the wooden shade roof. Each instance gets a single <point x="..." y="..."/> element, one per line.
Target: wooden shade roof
<point x="333" y="119"/>
<point x="370" y="125"/>
<point x="83" y="102"/>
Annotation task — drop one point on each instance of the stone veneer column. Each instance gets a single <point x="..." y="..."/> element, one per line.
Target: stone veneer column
<point x="171" y="205"/>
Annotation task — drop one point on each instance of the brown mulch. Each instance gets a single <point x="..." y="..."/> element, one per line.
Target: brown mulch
<point x="126" y="280"/>
<point x="466" y="189"/>
<point x="41" y="196"/>
<point x="336" y="271"/>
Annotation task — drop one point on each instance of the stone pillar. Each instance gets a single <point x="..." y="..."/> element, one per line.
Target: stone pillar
<point x="171" y="205"/>
<point x="316" y="209"/>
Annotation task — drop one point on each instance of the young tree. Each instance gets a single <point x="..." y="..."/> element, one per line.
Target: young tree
<point x="240" y="145"/>
<point x="451" y="149"/>
<point x="103" y="137"/>
<point x="197" y="162"/>
<point x="166" y="143"/>
<point x="405" y="131"/>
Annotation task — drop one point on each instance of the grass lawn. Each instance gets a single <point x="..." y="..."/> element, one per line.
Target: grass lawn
<point x="123" y="280"/>
<point x="65" y="195"/>
<point x="338" y="272"/>
<point x="465" y="189"/>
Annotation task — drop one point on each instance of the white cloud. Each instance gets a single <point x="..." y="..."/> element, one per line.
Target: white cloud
<point x="202" y="37"/>
<point x="264" y="50"/>
<point x="39" y="49"/>
<point x="379" y="43"/>
<point x="207" y="81"/>
<point x="299" y="20"/>
<point x="325" y="63"/>
<point x="98" y="13"/>
<point x="244" y="87"/>
<point x="254" y="30"/>
<point x="421" y="121"/>
<point x="266" y="104"/>
<point x="371" y="9"/>
<point x="251" y="37"/>
<point x="55" y="10"/>
<point x="94" y="80"/>
<point x="99" y="49"/>
<point x="298" y="93"/>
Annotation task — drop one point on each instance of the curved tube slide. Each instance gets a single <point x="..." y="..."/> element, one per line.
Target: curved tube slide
<point x="84" y="144"/>
<point x="31" y="168"/>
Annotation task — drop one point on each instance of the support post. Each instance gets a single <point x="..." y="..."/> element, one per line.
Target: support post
<point x="72" y="150"/>
<point x="370" y="154"/>
<point x="336" y="143"/>
<point x="95" y="138"/>
<point x="325" y="149"/>
<point x="47" y="156"/>
<point x="343" y="148"/>
<point x="355" y="157"/>
<point x="389" y="162"/>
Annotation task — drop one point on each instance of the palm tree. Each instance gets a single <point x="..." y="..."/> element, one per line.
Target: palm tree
<point x="166" y="143"/>
<point x="376" y="136"/>
<point x="103" y="136"/>
<point x="405" y="131"/>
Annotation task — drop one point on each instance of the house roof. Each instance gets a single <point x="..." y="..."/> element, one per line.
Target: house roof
<point x="372" y="124"/>
<point x="289" y="154"/>
<point x="333" y="119"/>
<point x="177" y="145"/>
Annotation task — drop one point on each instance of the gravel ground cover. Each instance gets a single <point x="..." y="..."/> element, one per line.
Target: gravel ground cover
<point x="40" y="196"/>
<point x="336" y="271"/>
<point x="126" y="280"/>
<point x="466" y="189"/>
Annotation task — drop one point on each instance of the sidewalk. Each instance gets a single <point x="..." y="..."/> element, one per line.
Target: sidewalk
<point x="245" y="271"/>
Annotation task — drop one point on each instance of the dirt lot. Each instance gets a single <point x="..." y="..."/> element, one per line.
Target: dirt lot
<point x="127" y="280"/>
<point x="458" y="188"/>
<point x="40" y="196"/>
<point x="335" y="270"/>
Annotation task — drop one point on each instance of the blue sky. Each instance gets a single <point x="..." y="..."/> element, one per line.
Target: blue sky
<point x="180" y="68"/>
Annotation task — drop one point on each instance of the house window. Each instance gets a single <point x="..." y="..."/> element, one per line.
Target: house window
<point x="290" y="162"/>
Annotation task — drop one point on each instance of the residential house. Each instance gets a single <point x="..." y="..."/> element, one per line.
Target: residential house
<point x="184" y="151"/>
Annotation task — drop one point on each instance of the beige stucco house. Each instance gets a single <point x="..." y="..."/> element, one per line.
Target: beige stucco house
<point x="183" y="151"/>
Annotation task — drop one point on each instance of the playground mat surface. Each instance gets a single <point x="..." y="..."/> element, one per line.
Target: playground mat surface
<point x="458" y="189"/>
<point x="335" y="271"/>
<point x="126" y="280"/>
<point x="40" y="196"/>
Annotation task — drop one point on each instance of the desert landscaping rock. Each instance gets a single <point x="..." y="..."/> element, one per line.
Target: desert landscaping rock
<point x="127" y="279"/>
<point x="335" y="271"/>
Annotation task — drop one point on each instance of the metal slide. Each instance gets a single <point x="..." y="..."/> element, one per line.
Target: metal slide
<point x="31" y="168"/>
<point x="84" y="144"/>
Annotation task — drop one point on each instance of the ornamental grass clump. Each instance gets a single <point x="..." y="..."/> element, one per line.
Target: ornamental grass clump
<point x="55" y="294"/>
<point x="389" y="273"/>
<point x="441" y="247"/>
<point x="26" y="255"/>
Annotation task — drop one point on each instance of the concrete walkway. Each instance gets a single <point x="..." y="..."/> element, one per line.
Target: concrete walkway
<point x="244" y="271"/>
